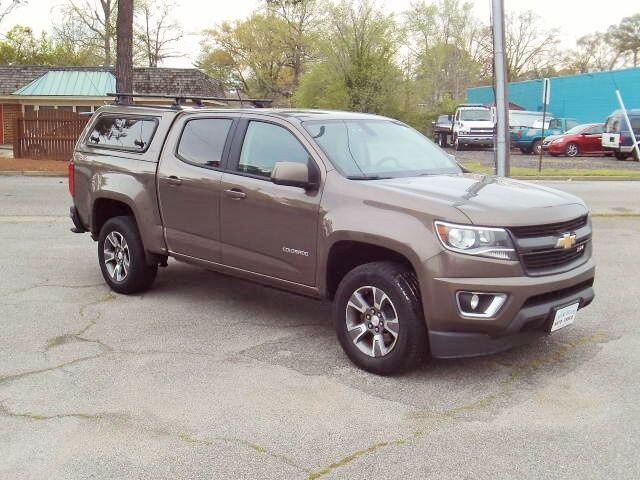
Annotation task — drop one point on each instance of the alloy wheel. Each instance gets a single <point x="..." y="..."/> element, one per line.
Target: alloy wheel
<point x="372" y="321"/>
<point x="117" y="257"/>
<point x="572" y="150"/>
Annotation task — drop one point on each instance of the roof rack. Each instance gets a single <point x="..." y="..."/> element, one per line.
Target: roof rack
<point x="181" y="99"/>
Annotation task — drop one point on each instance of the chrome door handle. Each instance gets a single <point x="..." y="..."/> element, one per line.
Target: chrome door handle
<point x="173" y="180"/>
<point x="235" y="193"/>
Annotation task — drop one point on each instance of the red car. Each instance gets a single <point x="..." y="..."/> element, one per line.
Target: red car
<point x="581" y="139"/>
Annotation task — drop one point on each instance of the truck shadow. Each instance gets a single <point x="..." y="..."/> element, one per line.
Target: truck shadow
<point x="309" y="345"/>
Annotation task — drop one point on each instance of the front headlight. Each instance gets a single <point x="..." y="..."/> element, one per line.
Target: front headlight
<point x="480" y="241"/>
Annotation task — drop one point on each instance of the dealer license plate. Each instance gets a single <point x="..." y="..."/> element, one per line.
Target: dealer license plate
<point x="564" y="316"/>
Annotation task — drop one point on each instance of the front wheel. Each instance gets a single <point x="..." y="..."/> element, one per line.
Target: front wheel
<point x="122" y="257"/>
<point x="572" y="150"/>
<point x="378" y="318"/>
<point x="621" y="155"/>
<point x="457" y="144"/>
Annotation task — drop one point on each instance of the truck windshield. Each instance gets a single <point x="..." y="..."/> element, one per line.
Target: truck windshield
<point x="475" y="114"/>
<point x="373" y="149"/>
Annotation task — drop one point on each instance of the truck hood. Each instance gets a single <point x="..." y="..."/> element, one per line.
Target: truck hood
<point x="491" y="201"/>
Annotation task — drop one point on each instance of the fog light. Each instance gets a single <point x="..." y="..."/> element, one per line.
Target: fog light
<point x="475" y="300"/>
<point x="480" y="304"/>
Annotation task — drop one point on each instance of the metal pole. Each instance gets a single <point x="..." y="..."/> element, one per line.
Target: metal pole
<point x="544" y="119"/>
<point x="626" y="117"/>
<point x="500" y="80"/>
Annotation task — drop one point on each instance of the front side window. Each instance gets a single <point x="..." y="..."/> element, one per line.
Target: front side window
<point x="122" y="133"/>
<point x="264" y="145"/>
<point x="379" y="148"/>
<point x="596" y="129"/>
<point x="202" y="141"/>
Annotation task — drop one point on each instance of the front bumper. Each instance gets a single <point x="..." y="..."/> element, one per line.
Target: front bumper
<point x="531" y="322"/>
<point x="554" y="147"/>
<point x="475" y="140"/>
<point x="525" y="315"/>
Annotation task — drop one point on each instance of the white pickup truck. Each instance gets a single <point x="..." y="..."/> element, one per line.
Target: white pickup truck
<point x="473" y="124"/>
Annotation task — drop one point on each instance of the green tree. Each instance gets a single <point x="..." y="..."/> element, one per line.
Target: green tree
<point x="21" y="47"/>
<point x="250" y="56"/>
<point x="447" y="48"/>
<point x="626" y="37"/>
<point x="357" y="68"/>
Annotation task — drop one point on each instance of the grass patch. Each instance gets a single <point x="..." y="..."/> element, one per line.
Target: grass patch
<point x="556" y="172"/>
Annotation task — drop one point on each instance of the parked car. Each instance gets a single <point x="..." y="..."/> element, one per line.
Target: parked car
<point x="443" y="130"/>
<point x="581" y="139"/>
<point x="522" y="120"/>
<point x="530" y="140"/>
<point x="416" y="255"/>
<point x="617" y="136"/>
<point x="473" y="124"/>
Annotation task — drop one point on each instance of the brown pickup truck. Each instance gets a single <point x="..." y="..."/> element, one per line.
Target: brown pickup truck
<point x="419" y="257"/>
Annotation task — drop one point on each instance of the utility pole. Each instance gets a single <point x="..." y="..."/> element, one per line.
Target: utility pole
<point x="124" y="40"/>
<point x="501" y="94"/>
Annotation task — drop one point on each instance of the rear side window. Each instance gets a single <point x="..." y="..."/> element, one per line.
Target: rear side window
<point x="123" y="133"/>
<point x="202" y="141"/>
<point x="265" y="144"/>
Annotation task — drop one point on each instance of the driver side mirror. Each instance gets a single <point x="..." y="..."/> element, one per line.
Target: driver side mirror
<point x="293" y="174"/>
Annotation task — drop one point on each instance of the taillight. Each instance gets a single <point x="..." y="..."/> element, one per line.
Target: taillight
<point x="520" y="133"/>
<point x="72" y="179"/>
<point x="621" y="138"/>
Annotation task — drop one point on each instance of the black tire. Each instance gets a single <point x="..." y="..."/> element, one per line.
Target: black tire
<point x="457" y="144"/>
<point x="572" y="149"/>
<point x="399" y="283"/>
<point x="442" y="140"/>
<point x="536" y="147"/>
<point x="525" y="151"/>
<point x="140" y="275"/>
<point x="620" y="155"/>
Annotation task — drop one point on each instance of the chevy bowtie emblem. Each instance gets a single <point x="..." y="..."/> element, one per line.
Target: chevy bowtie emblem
<point x="567" y="240"/>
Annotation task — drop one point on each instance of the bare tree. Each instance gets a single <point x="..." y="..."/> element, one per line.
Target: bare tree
<point x="7" y="6"/>
<point x="530" y="48"/>
<point x="593" y="53"/>
<point x="124" y="34"/>
<point x="155" y="32"/>
<point x="91" y="25"/>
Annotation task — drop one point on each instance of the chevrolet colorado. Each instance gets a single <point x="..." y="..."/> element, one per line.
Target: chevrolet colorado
<point x="419" y="257"/>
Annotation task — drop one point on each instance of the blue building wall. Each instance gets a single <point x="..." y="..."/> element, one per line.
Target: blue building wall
<point x="588" y="97"/>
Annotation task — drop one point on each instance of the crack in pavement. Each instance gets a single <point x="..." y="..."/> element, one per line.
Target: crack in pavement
<point x="132" y="422"/>
<point x="51" y="285"/>
<point x="439" y="418"/>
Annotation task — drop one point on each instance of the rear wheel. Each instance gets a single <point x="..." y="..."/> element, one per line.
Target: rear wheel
<point x="572" y="150"/>
<point x="621" y="155"/>
<point x="536" y="147"/>
<point x="378" y="318"/>
<point x="525" y="151"/>
<point x="122" y="257"/>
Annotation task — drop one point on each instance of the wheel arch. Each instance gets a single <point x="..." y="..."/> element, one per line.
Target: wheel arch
<point x="346" y="253"/>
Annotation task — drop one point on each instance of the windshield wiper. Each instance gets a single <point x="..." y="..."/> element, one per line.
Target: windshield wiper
<point x="366" y="177"/>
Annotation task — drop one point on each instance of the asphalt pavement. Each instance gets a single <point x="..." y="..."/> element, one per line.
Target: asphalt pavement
<point x="206" y="376"/>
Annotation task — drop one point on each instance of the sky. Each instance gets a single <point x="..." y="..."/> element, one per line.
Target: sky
<point x="573" y="18"/>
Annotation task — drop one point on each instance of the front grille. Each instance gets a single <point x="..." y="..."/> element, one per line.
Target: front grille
<point x="553" y="258"/>
<point x="549" y="229"/>
<point x="488" y="131"/>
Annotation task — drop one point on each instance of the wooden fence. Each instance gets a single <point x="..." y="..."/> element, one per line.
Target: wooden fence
<point x="50" y="134"/>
